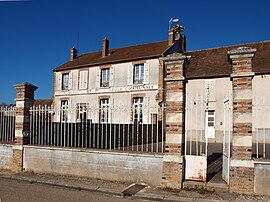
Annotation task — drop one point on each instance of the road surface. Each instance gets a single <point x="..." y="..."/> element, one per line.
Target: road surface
<point x="18" y="191"/>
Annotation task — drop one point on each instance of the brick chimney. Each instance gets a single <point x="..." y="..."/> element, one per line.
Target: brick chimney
<point x="105" y="47"/>
<point x="175" y="34"/>
<point x="73" y="53"/>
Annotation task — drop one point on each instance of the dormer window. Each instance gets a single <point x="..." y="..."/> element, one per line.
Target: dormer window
<point x="138" y="74"/>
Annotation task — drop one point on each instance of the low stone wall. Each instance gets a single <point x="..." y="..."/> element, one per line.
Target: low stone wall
<point x="6" y="156"/>
<point x="128" y="167"/>
<point x="262" y="178"/>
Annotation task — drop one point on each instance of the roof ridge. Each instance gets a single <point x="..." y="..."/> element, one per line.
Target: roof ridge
<point x="126" y="47"/>
<point x="229" y="46"/>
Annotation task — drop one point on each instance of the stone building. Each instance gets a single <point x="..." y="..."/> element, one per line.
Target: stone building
<point x="217" y="103"/>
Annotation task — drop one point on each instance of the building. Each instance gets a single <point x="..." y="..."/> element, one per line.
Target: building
<point x="217" y="102"/>
<point x="114" y="78"/>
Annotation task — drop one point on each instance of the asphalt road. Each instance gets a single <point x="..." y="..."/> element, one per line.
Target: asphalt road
<point x="17" y="191"/>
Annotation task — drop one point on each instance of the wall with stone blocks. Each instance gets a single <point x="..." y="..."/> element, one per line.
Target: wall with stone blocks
<point x="262" y="178"/>
<point x="95" y="164"/>
<point x="6" y="156"/>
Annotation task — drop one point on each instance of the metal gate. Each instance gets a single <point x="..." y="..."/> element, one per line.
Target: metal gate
<point x="195" y="139"/>
<point x="227" y="136"/>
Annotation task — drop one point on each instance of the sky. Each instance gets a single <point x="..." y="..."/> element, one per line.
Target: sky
<point x="36" y="36"/>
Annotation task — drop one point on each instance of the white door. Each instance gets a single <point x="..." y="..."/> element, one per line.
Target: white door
<point x="195" y="140"/>
<point x="227" y="134"/>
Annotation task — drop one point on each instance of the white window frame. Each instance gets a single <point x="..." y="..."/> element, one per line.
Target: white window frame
<point x="81" y="114"/>
<point x="139" y="74"/>
<point x="105" y="77"/>
<point x="64" y="111"/>
<point x="138" y="110"/>
<point x="104" y="110"/>
<point x="65" y="81"/>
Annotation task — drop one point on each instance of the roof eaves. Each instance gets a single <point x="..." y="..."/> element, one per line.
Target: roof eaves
<point x="102" y="63"/>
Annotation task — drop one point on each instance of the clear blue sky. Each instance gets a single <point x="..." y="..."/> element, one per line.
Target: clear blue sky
<point x="36" y="35"/>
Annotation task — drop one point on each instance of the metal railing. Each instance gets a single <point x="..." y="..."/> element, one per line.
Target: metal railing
<point x="7" y="124"/>
<point x="112" y="128"/>
<point x="261" y="133"/>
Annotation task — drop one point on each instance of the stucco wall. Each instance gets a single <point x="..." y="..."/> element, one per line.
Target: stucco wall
<point x="95" y="164"/>
<point x="6" y="154"/>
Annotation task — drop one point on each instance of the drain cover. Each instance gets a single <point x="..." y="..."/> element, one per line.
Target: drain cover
<point x="133" y="189"/>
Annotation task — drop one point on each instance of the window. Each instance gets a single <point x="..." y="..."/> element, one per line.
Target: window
<point x="83" y="77"/>
<point x="105" y="77"/>
<point x="137" y="107"/>
<point x="138" y="74"/>
<point x="104" y="110"/>
<point x="210" y="124"/>
<point x="81" y="112"/>
<point x="65" y="81"/>
<point x="64" y="111"/>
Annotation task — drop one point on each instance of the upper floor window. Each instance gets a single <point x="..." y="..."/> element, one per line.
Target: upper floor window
<point x="138" y="74"/>
<point x="105" y="77"/>
<point x="65" y="81"/>
<point x="104" y="110"/>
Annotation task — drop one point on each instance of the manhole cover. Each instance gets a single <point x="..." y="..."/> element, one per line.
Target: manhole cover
<point x="133" y="189"/>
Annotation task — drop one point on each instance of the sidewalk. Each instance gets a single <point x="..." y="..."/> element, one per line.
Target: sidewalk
<point x="116" y="188"/>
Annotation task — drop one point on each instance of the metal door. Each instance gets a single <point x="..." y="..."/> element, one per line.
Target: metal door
<point x="195" y="139"/>
<point x="227" y="136"/>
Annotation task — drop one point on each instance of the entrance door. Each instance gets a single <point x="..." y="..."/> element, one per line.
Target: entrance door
<point x="195" y="139"/>
<point x="227" y="134"/>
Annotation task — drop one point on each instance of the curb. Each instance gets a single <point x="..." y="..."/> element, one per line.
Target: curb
<point x="138" y="196"/>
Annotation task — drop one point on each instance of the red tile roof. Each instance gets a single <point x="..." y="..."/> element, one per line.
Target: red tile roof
<point x="216" y="62"/>
<point x="149" y="50"/>
<point x="43" y="102"/>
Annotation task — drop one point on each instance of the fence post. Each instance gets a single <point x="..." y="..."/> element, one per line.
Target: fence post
<point x="173" y="97"/>
<point x="24" y="100"/>
<point x="242" y="166"/>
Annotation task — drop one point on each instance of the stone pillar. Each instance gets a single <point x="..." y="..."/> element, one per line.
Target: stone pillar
<point x="242" y="167"/>
<point x="174" y="120"/>
<point x="24" y="100"/>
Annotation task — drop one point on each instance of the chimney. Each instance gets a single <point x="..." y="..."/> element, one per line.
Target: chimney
<point x="73" y="53"/>
<point x="175" y="34"/>
<point x="105" y="47"/>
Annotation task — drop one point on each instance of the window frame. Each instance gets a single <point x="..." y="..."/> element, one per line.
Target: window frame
<point x="65" y="81"/>
<point x="105" y="82"/>
<point x="64" y="111"/>
<point x="104" y="110"/>
<point x="138" y="106"/>
<point x="138" y="78"/>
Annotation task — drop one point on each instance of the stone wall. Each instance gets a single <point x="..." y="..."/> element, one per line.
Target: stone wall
<point x="6" y="156"/>
<point x="125" y="167"/>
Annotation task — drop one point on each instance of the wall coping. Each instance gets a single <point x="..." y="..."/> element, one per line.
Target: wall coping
<point x="97" y="151"/>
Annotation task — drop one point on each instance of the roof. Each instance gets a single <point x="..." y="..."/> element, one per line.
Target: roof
<point x="149" y="50"/>
<point x="215" y="61"/>
<point x="43" y="102"/>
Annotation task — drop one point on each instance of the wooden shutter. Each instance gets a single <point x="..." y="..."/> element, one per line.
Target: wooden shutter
<point x="83" y="78"/>
<point x="59" y="81"/>
<point x="112" y="76"/>
<point x="146" y="73"/>
<point x="130" y="75"/>
<point x="98" y="78"/>
<point x="70" y="86"/>
<point x="210" y="89"/>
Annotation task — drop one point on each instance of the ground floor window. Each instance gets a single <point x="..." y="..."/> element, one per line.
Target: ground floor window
<point x="104" y="110"/>
<point x="64" y="111"/>
<point x="137" y="110"/>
